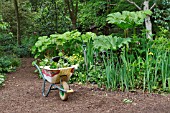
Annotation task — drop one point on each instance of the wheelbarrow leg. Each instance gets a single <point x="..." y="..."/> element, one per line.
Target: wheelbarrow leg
<point x="43" y="89"/>
<point x="44" y="80"/>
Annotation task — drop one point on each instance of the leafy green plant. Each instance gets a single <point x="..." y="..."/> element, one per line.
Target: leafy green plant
<point x="2" y="78"/>
<point x="8" y="64"/>
<point x="113" y="43"/>
<point x="75" y="58"/>
<point x="42" y="46"/>
<point x="127" y="101"/>
<point x="3" y="25"/>
<point x="126" y="19"/>
<point x="54" y="64"/>
<point x="68" y="43"/>
<point x="59" y="64"/>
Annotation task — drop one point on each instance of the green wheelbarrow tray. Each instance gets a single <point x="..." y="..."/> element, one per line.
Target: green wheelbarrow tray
<point x="56" y="76"/>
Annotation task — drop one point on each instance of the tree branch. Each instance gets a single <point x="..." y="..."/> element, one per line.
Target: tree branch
<point x="153" y="6"/>
<point x="131" y="2"/>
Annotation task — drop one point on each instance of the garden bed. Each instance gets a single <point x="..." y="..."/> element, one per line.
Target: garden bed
<point x="22" y="94"/>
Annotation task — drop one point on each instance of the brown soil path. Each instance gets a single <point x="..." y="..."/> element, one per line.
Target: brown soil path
<point x="22" y="94"/>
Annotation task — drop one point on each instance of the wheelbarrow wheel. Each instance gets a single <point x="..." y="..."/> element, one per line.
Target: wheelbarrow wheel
<point x="64" y="95"/>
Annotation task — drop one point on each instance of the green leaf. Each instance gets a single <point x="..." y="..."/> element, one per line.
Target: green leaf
<point x="54" y="35"/>
<point x="108" y="42"/>
<point x="33" y="49"/>
<point x="36" y="56"/>
<point x="38" y="43"/>
<point x="127" y="101"/>
<point x="148" y="12"/>
<point x="127" y="19"/>
<point x="2" y="79"/>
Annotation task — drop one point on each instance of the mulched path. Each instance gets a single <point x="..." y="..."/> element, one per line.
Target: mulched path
<point x="22" y="94"/>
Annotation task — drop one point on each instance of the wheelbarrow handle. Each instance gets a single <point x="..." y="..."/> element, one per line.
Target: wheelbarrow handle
<point x="40" y="72"/>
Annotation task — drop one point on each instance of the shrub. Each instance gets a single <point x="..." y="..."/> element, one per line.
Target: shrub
<point x="8" y="63"/>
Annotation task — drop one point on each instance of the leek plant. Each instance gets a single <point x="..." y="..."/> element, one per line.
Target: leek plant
<point x="128" y="74"/>
<point x="110" y="68"/>
<point x="168" y="73"/>
<point x="157" y="74"/>
<point x="149" y="72"/>
<point x="164" y="70"/>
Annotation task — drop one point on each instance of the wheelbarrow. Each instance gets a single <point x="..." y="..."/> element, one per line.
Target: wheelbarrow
<point x="58" y="79"/>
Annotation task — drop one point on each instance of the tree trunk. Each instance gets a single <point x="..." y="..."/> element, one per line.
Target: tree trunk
<point x="148" y="23"/>
<point x="56" y="15"/>
<point x="18" y="22"/>
<point x="74" y="22"/>
<point x="73" y="10"/>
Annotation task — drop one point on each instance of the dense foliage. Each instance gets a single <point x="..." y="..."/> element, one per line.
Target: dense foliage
<point x="161" y="16"/>
<point x="8" y="61"/>
<point x="123" y="63"/>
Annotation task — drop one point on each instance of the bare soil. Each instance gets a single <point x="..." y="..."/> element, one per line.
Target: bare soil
<point x="22" y="94"/>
